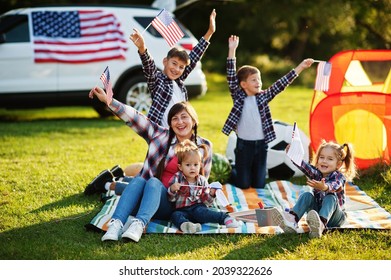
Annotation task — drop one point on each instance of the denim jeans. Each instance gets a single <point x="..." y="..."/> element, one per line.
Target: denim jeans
<point x="329" y="210"/>
<point x="250" y="164"/>
<point x="197" y="213"/>
<point x="144" y="199"/>
<point x="121" y="185"/>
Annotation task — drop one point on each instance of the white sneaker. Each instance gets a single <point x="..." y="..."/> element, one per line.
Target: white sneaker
<point x="189" y="227"/>
<point x="316" y="225"/>
<point x="114" y="231"/>
<point x="231" y="222"/>
<point x="134" y="231"/>
<point x="285" y="221"/>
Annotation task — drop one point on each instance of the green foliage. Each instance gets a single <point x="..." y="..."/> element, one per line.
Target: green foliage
<point x="48" y="157"/>
<point x="291" y="30"/>
<point x="274" y="35"/>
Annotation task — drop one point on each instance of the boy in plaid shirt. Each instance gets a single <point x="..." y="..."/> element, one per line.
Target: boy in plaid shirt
<point x="250" y="117"/>
<point x="167" y="86"/>
<point x="191" y="192"/>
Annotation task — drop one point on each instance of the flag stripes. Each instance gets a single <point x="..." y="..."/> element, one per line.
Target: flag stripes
<point x="167" y="27"/>
<point x="76" y="36"/>
<point x="323" y="76"/>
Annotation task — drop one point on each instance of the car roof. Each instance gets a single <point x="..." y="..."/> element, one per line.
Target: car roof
<point x="83" y="7"/>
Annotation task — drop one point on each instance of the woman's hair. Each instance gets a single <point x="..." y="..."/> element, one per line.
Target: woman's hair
<point x="182" y="55"/>
<point x="344" y="153"/>
<point x="187" y="148"/>
<point x="178" y="107"/>
<point x="245" y="71"/>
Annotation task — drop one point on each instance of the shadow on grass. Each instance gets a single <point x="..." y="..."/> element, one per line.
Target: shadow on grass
<point x="66" y="238"/>
<point x="54" y="113"/>
<point x="55" y="124"/>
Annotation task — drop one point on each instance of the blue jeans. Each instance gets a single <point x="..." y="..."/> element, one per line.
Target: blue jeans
<point x="120" y="186"/>
<point x="197" y="213"/>
<point x="144" y="200"/>
<point x="329" y="210"/>
<point x="250" y="164"/>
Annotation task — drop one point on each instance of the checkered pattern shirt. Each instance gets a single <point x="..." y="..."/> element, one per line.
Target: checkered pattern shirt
<point x="156" y="137"/>
<point x="335" y="182"/>
<point x="262" y="98"/>
<point x="161" y="87"/>
<point x="187" y="196"/>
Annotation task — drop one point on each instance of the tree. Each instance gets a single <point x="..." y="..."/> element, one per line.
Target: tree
<point x="277" y="34"/>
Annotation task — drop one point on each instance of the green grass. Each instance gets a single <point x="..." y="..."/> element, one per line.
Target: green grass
<point x="48" y="156"/>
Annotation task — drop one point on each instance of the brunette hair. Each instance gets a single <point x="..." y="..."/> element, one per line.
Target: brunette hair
<point x="178" y="107"/>
<point x="182" y="55"/>
<point x="245" y="71"/>
<point x="344" y="153"/>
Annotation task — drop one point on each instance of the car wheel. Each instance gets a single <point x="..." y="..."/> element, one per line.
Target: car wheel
<point x="135" y="93"/>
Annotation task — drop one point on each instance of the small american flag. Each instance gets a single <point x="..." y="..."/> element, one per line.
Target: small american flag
<point x="323" y="76"/>
<point x="296" y="150"/>
<point x="76" y="36"/>
<point x="105" y="78"/>
<point x="167" y="27"/>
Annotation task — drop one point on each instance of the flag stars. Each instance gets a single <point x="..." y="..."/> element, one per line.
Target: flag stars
<point x="56" y="24"/>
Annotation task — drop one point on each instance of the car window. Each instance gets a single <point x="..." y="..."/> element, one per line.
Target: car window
<point x="145" y="21"/>
<point x="15" y="28"/>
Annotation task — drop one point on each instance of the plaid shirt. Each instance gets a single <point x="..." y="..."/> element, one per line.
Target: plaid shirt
<point x="161" y="87"/>
<point x="262" y="98"/>
<point x="187" y="196"/>
<point x="156" y="137"/>
<point x="335" y="182"/>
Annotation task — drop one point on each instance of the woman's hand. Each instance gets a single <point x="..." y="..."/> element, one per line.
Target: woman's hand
<point x="98" y="92"/>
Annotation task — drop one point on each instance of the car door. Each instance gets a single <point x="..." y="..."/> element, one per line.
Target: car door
<point x="18" y="71"/>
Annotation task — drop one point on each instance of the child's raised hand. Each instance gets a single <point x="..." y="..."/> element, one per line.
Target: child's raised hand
<point x="212" y="21"/>
<point x="233" y="41"/>
<point x="306" y="63"/>
<point x="138" y="40"/>
<point x="212" y="26"/>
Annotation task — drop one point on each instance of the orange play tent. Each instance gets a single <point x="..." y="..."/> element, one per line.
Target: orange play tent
<point x="357" y="106"/>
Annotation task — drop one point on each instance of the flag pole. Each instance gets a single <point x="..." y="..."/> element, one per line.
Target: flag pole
<point x="149" y="25"/>
<point x="145" y="29"/>
<point x="318" y="61"/>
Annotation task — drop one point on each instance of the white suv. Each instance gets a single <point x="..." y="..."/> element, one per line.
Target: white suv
<point x="29" y="81"/>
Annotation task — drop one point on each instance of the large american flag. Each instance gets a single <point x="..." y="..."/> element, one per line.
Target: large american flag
<point x="105" y="78"/>
<point x="77" y="36"/>
<point x="167" y="27"/>
<point x="323" y="76"/>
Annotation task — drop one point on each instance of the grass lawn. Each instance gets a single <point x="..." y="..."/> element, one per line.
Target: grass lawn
<point x="48" y="156"/>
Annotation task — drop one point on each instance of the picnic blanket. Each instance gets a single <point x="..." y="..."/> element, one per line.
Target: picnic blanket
<point x="362" y="211"/>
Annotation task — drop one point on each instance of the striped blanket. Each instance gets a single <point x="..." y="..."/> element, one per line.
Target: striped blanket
<point x="362" y="211"/>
